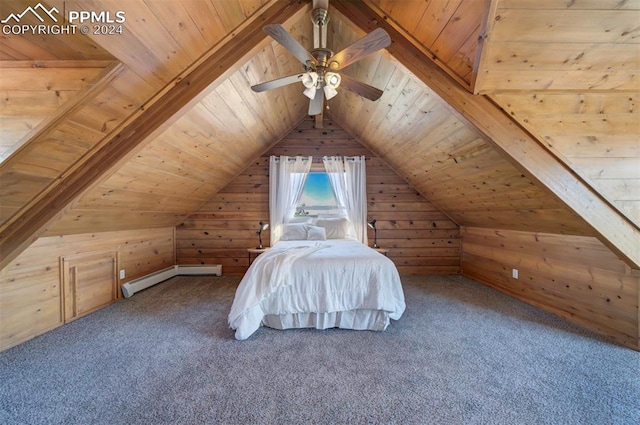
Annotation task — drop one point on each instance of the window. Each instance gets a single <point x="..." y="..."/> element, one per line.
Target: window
<point x="317" y="197"/>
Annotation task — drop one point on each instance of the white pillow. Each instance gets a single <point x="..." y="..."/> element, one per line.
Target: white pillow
<point x="315" y="233"/>
<point x="335" y="228"/>
<point x="294" y="232"/>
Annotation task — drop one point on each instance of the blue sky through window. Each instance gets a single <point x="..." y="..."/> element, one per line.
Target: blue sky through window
<point x="317" y="196"/>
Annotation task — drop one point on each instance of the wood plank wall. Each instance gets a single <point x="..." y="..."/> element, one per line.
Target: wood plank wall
<point x="575" y="87"/>
<point x="449" y="31"/>
<point x="421" y="239"/>
<point x="594" y="133"/>
<point x="575" y="277"/>
<point x="30" y="95"/>
<point x="31" y="294"/>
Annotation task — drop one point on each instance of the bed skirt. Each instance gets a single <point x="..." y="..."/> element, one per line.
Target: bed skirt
<point x="373" y="320"/>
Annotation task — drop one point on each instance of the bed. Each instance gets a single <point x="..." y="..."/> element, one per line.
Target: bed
<point x="317" y="282"/>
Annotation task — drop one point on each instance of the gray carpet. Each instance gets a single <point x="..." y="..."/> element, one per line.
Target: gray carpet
<point x="461" y="354"/>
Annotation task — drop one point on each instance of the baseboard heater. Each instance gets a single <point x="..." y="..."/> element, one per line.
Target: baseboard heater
<point x="137" y="285"/>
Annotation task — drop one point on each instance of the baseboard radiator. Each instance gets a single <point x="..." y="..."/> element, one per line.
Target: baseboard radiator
<point x="137" y="285"/>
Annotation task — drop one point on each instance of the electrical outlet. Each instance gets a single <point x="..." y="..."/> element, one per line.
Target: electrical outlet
<point x="514" y="273"/>
<point x="122" y="275"/>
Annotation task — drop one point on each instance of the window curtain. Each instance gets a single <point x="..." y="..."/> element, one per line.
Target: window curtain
<point x="286" y="181"/>
<point x="348" y="177"/>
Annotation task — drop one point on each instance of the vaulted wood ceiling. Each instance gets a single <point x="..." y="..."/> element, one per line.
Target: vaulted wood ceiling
<point x="107" y="132"/>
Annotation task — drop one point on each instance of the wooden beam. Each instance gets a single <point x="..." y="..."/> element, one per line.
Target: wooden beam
<point x="523" y="150"/>
<point x="480" y="62"/>
<point x="32" y="221"/>
<point x="111" y="71"/>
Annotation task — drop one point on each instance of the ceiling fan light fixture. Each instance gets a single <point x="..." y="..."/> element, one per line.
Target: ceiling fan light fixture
<point x="329" y="92"/>
<point x="310" y="92"/>
<point x="309" y="80"/>
<point x="332" y="80"/>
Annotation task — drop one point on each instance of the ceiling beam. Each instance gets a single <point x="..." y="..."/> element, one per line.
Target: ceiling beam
<point x="518" y="146"/>
<point x="30" y="222"/>
<point x="488" y="20"/>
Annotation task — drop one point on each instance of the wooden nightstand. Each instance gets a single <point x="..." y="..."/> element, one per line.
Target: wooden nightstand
<point x="256" y="251"/>
<point x="382" y="251"/>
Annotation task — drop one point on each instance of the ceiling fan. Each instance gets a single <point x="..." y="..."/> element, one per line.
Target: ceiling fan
<point x="321" y="77"/>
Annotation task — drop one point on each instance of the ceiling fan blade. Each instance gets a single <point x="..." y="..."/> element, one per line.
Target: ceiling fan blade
<point x="279" y="82"/>
<point x="372" y="42"/>
<point x="360" y="88"/>
<point x="282" y="36"/>
<point x="317" y="103"/>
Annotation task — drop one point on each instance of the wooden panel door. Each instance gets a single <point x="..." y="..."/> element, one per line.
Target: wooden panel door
<point x="89" y="281"/>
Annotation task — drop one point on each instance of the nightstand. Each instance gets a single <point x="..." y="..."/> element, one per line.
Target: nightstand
<point x="256" y="251"/>
<point x="382" y="251"/>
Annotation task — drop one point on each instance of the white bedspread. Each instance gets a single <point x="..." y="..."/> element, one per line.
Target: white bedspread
<point x="315" y="277"/>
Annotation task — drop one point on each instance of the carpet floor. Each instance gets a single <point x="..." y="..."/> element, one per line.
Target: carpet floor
<point x="461" y="354"/>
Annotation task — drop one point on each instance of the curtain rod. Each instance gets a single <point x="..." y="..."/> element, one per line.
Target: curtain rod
<point x="349" y="158"/>
<point x="292" y="158"/>
<point x="319" y="159"/>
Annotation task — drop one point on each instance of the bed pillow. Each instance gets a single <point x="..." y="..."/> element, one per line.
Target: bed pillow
<point x="335" y="228"/>
<point x="294" y="232"/>
<point x="316" y="233"/>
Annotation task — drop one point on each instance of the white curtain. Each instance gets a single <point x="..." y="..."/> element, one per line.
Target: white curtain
<point x="348" y="177"/>
<point x="286" y="181"/>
